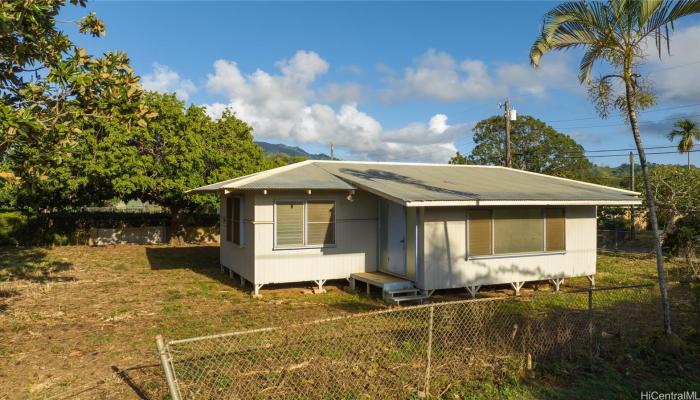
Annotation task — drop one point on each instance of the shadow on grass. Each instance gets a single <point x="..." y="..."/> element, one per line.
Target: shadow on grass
<point x="203" y="260"/>
<point x="146" y="381"/>
<point x="31" y="264"/>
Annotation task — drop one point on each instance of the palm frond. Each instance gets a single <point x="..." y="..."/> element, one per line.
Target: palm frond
<point x="572" y="24"/>
<point x="683" y="8"/>
<point x="687" y="131"/>
<point x="589" y="59"/>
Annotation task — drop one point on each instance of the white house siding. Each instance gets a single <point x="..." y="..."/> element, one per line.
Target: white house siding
<point x="356" y="239"/>
<point x="241" y="258"/>
<point x="445" y="248"/>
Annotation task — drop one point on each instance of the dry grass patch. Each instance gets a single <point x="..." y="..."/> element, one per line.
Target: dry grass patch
<point x="72" y="316"/>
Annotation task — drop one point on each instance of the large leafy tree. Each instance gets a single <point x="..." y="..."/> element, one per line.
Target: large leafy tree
<point x="676" y="191"/>
<point x="535" y="145"/>
<point x="688" y="133"/>
<point x="56" y="101"/>
<point x="180" y="148"/>
<point x="617" y="33"/>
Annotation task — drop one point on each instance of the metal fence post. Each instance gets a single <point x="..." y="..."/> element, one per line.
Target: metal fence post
<point x="165" y="362"/>
<point x="590" y="327"/>
<point x="429" y="351"/>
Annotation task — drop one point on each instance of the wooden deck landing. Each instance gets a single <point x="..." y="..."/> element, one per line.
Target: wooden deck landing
<point x="384" y="281"/>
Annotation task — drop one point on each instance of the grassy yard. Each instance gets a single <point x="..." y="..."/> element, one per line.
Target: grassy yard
<point x="81" y="321"/>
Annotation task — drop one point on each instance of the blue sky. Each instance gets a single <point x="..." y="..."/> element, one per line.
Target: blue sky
<point x="383" y="81"/>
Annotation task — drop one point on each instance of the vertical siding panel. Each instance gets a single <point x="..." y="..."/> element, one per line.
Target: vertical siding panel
<point x="356" y="240"/>
<point x="445" y="265"/>
<point x="240" y="259"/>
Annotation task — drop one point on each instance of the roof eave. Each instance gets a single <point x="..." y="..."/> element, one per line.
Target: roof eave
<point x="486" y="203"/>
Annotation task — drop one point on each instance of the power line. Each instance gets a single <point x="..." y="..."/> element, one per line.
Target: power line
<point x="641" y="123"/>
<point x="641" y="112"/>
<point x="628" y="149"/>
<point x="674" y="66"/>
<point x="627" y="154"/>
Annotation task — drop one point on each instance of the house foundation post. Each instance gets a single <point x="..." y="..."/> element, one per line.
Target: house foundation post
<point x="591" y="280"/>
<point x="320" y="284"/>
<point x="256" y="289"/>
<point x="557" y="282"/>
<point x="352" y="284"/>
<point x="473" y="290"/>
<point x="242" y="281"/>
<point x="230" y="273"/>
<point x="517" y="286"/>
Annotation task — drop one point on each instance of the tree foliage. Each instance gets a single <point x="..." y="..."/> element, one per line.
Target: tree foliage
<point x="54" y="98"/>
<point x="181" y="148"/>
<point x="677" y="193"/>
<point x="458" y="159"/>
<point x="535" y="147"/>
<point x="684" y="241"/>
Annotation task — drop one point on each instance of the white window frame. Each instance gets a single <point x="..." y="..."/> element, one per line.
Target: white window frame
<point x="305" y="245"/>
<point x="241" y="220"/>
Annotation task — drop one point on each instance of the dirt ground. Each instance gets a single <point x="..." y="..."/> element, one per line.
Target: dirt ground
<point x="81" y="322"/>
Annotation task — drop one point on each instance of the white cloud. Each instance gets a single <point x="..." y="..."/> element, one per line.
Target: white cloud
<point x="165" y="80"/>
<point x="675" y="76"/>
<point x="284" y="106"/>
<point x="438" y="123"/>
<point x="438" y="76"/>
<point x="553" y="73"/>
<point x="304" y="67"/>
<point x="341" y="93"/>
<point x="351" y="69"/>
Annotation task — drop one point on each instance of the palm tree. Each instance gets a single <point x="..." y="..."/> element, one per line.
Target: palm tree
<point x="688" y="132"/>
<point x="617" y="33"/>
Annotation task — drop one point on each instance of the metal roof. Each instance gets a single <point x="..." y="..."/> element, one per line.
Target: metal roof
<point x="415" y="184"/>
<point x="302" y="175"/>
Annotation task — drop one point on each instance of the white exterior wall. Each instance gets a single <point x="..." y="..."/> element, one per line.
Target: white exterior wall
<point x="445" y="247"/>
<point x="355" y="232"/>
<point x="241" y="259"/>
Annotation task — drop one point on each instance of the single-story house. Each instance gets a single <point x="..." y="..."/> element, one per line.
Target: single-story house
<point x="409" y="228"/>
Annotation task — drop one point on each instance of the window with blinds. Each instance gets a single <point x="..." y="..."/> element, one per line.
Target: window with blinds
<point x="515" y="230"/>
<point x="556" y="229"/>
<point x="479" y="235"/>
<point x="300" y="224"/>
<point x="320" y="223"/>
<point x="289" y="224"/>
<point x="233" y="220"/>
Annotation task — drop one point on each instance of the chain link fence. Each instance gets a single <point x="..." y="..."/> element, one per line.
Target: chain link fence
<point x="405" y="352"/>
<point x="622" y="240"/>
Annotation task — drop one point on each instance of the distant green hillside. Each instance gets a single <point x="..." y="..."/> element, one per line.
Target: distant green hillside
<point x="290" y="151"/>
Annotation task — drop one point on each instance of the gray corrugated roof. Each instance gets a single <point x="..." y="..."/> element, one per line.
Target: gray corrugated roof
<point x="411" y="182"/>
<point x="303" y="175"/>
<point x="407" y="183"/>
<point x="309" y="176"/>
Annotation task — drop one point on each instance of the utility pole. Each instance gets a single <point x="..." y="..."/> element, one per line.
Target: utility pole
<point x="632" y="188"/>
<point x="507" y="116"/>
<point x="331" y="151"/>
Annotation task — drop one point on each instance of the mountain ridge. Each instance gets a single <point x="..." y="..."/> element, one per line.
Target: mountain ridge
<point x="290" y="151"/>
